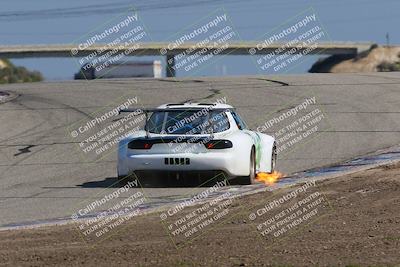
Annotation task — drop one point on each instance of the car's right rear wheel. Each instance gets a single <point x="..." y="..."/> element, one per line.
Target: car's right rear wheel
<point x="245" y="180"/>
<point x="273" y="158"/>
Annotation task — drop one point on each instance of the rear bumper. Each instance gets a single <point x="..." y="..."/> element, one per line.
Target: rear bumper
<point x="222" y="161"/>
<point x="210" y="176"/>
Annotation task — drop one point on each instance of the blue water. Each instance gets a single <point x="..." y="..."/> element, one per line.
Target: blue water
<point x="49" y="21"/>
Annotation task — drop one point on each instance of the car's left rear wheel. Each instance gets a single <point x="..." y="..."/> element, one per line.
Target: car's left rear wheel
<point x="124" y="179"/>
<point x="121" y="180"/>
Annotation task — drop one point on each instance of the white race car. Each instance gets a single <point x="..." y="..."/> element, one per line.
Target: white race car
<point x="195" y="138"/>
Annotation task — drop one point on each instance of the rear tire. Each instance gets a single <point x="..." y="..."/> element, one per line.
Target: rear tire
<point x="124" y="179"/>
<point x="273" y="158"/>
<point x="121" y="180"/>
<point x="246" y="180"/>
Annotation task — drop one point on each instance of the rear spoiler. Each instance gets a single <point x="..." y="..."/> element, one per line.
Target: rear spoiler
<point x="139" y="110"/>
<point x="145" y="110"/>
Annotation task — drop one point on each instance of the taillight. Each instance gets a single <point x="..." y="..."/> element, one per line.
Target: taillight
<point x="140" y="144"/>
<point x="218" y="144"/>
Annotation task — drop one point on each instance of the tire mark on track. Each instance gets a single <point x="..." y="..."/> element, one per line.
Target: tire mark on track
<point x="273" y="81"/>
<point x="24" y="150"/>
<point x="27" y="132"/>
<point x="47" y="101"/>
<point x="214" y="92"/>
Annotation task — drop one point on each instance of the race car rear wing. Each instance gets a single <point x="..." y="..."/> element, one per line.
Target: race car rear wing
<point x="145" y="110"/>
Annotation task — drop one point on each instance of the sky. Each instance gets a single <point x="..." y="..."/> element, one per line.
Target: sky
<point x="56" y="22"/>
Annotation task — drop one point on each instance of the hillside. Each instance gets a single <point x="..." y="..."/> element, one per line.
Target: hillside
<point x="9" y="73"/>
<point x="378" y="58"/>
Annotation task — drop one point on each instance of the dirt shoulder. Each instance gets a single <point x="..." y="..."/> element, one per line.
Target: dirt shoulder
<point x="357" y="223"/>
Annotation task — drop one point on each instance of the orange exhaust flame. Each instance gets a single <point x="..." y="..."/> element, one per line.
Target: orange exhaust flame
<point x="268" y="178"/>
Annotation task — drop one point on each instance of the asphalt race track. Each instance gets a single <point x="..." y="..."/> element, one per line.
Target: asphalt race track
<point x="44" y="174"/>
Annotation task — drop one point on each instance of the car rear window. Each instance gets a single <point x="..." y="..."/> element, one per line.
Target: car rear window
<point x="188" y="122"/>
